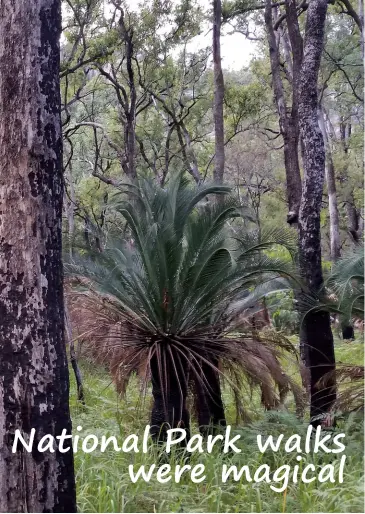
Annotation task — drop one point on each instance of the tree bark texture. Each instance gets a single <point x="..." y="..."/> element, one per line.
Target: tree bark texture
<point x="334" y="216"/>
<point x="209" y="402"/>
<point x="219" y="158"/>
<point x="288" y="120"/>
<point x="34" y="385"/>
<point x="316" y="329"/>
<point x="169" y="377"/>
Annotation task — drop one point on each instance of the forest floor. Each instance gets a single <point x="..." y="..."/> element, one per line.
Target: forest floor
<point x="104" y="484"/>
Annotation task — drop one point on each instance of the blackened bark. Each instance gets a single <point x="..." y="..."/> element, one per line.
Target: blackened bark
<point x="209" y="403"/>
<point x="316" y="328"/>
<point x="219" y="157"/>
<point x="169" y="390"/>
<point x="288" y="121"/>
<point x="73" y="358"/>
<point x="34" y="385"/>
<point x="348" y="333"/>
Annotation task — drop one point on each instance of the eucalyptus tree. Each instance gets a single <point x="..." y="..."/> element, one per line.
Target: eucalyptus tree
<point x="34" y="384"/>
<point x="316" y="334"/>
<point x="218" y="93"/>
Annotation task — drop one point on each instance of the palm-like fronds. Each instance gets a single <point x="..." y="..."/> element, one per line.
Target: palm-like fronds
<point x="346" y="282"/>
<point x="350" y="382"/>
<point x="170" y="287"/>
<point x="343" y="291"/>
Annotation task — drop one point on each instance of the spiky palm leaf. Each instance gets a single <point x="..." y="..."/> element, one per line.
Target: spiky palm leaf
<point x="343" y="290"/>
<point x="171" y="285"/>
<point x="346" y="282"/>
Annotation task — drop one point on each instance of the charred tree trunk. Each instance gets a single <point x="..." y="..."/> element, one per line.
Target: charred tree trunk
<point x="219" y="157"/>
<point x="73" y="358"/>
<point x="209" y="403"/>
<point x="348" y="333"/>
<point x="169" y="390"/>
<point x="332" y="193"/>
<point x="316" y="328"/>
<point x="34" y="384"/>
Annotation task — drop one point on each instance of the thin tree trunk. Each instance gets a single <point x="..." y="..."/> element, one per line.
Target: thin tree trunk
<point x="127" y="34"/>
<point x="219" y="158"/>
<point x="73" y="358"/>
<point x="335" y="243"/>
<point x="353" y="219"/>
<point x="332" y="193"/>
<point x="316" y="328"/>
<point x="288" y="122"/>
<point x="34" y="384"/>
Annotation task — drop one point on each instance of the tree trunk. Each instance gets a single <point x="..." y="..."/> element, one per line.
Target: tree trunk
<point x="34" y="384"/>
<point x="348" y="333"/>
<point x="169" y="390"/>
<point x="331" y="191"/>
<point x="288" y="121"/>
<point x="209" y="403"/>
<point x="218" y="94"/>
<point x="353" y="219"/>
<point x="73" y="358"/>
<point x="316" y="328"/>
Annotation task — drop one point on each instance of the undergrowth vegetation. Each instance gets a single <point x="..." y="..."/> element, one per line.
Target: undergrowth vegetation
<point x="104" y="484"/>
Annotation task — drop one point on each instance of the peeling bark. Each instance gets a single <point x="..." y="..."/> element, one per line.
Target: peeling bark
<point x="316" y="333"/>
<point x="34" y="384"/>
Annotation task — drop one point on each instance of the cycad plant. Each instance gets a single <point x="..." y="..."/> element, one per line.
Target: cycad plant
<point x="171" y="282"/>
<point x="346" y="282"/>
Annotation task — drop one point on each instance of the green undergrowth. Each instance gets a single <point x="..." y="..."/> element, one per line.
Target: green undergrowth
<point x="104" y="485"/>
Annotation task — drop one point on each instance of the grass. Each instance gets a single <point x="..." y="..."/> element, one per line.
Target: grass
<point x="104" y="484"/>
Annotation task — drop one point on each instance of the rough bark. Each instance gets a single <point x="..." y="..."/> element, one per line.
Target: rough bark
<point x="219" y="157"/>
<point x="169" y="390"/>
<point x="316" y="329"/>
<point x="34" y="384"/>
<point x="335" y="242"/>
<point x="288" y="120"/>
<point x="209" y="402"/>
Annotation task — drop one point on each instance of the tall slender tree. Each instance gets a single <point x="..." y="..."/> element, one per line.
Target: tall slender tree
<point x="288" y="116"/>
<point x="316" y="328"/>
<point x="34" y="385"/>
<point x="334" y="216"/>
<point x="218" y="93"/>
